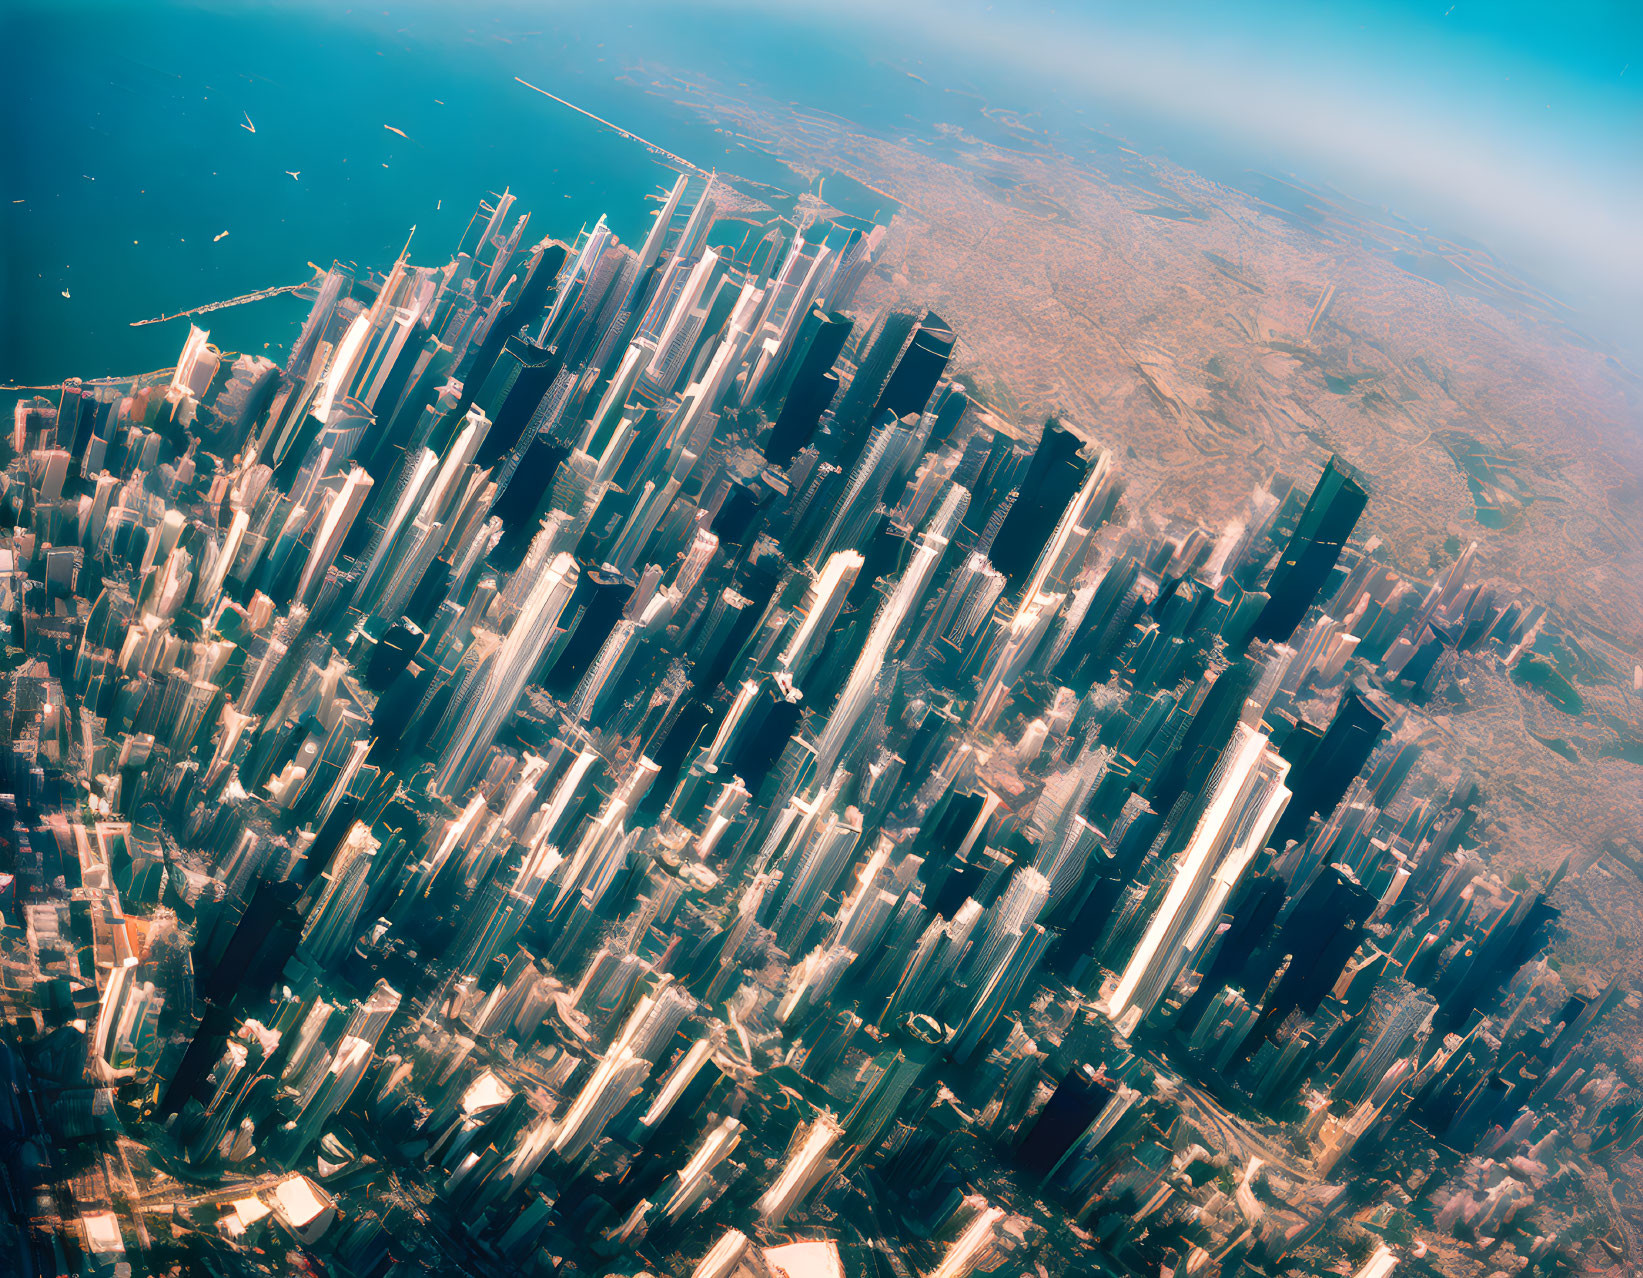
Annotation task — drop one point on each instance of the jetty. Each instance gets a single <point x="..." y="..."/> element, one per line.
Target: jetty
<point x="223" y="305"/>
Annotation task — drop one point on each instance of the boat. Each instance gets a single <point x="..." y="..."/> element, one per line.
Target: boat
<point x="248" y="126"/>
<point x="215" y="238"/>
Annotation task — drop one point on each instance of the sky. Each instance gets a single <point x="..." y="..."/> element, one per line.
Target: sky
<point x="1513" y="124"/>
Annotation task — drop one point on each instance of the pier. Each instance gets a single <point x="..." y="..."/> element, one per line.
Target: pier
<point x="223" y="305"/>
<point x="660" y="151"/>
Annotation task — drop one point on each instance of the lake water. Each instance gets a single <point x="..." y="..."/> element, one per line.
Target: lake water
<point x="126" y="156"/>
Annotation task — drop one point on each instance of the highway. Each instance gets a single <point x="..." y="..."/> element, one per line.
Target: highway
<point x="1235" y="1134"/>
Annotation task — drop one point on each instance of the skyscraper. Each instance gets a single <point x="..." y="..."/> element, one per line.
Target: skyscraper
<point x="1330" y="515"/>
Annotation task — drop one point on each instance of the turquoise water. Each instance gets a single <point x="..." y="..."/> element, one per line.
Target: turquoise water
<point x="126" y="157"/>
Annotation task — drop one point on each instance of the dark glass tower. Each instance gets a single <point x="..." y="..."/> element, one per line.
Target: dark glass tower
<point x="920" y="368"/>
<point x="1326" y="523"/>
<point x="1053" y="476"/>
<point x="1076" y="1103"/>
<point x="522" y="503"/>
<point x="855" y="411"/>
<point x="1320" y="779"/>
<point x="594" y="609"/>
<point x="522" y="375"/>
<point x="811" y="389"/>
<point x="534" y="298"/>
<point x="1318" y="938"/>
